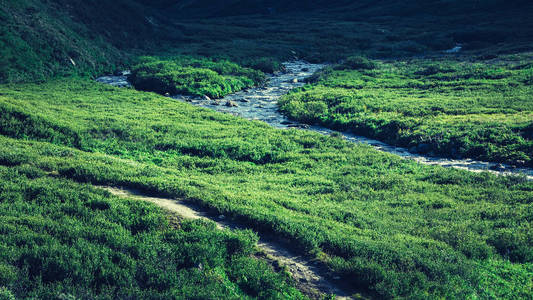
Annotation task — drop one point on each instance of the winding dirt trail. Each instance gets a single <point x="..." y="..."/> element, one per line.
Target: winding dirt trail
<point x="312" y="278"/>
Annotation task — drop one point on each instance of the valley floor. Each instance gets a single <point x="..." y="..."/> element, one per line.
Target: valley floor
<point x="390" y="227"/>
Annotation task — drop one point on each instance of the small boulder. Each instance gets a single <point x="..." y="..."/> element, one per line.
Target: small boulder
<point x="423" y="148"/>
<point x="206" y="98"/>
<point x="295" y="80"/>
<point x="245" y="100"/>
<point x="167" y="94"/>
<point x="231" y="104"/>
<point x="497" y="167"/>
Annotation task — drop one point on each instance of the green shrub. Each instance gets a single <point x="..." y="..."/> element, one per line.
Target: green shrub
<point x="357" y="63"/>
<point x="190" y="76"/>
<point x="6" y="294"/>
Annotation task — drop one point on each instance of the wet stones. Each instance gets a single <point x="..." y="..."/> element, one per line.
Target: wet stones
<point x="244" y="100"/>
<point x="301" y="126"/>
<point x="420" y="148"/>
<point x="498" y="167"/>
<point x="231" y="104"/>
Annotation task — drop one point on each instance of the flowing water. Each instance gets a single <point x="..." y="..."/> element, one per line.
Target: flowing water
<point x="262" y="104"/>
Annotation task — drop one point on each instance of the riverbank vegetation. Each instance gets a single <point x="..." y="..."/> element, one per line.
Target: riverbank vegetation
<point x="192" y="76"/>
<point x="44" y="39"/>
<point x="388" y="226"/>
<point x="450" y="107"/>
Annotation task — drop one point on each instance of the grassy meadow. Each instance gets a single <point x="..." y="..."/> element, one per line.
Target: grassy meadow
<point x="390" y="227"/>
<point x="478" y="109"/>
<point x="65" y="240"/>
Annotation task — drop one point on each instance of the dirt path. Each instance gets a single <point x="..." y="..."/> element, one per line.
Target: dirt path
<point x="311" y="278"/>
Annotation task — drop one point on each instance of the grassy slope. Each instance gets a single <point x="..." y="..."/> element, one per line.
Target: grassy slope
<point x="388" y="225"/>
<point x="458" y="108"/>
<point x="61" y="239"/>
<point x="41" y="39"/>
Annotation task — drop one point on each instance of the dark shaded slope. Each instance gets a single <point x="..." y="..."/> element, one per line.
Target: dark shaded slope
<point x="39" y="39"/>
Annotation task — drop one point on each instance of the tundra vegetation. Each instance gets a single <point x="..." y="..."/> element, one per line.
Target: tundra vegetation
<point x="388" y="227"/>
<point x="391" y="227"/>
<point x="449" y="107"/>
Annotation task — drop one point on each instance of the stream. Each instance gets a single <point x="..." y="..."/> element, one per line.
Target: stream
<point x="262" y="104"/>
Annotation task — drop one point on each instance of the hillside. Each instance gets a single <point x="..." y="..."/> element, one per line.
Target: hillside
<point x="40" y="39"/>
<point x="43" y="39"/>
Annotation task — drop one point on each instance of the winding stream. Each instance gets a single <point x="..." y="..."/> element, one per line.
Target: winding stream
<point x="261" y="104"/>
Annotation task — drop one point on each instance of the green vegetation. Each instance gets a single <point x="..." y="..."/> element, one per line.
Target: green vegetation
<point x="390" y="227"/>
<point x="454" y="108"/>
<point x="63" y="239"/>
<point x="41" y="39"/>
<point x="190" y="76"/>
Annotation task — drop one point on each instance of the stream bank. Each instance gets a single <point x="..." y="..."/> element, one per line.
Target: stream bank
<point x="262" y="104"/>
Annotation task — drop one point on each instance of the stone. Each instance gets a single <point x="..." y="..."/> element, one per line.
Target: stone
<point x="245" y="100"/>
<point x="167" y="94"/>
<point x="231" y="104"/>
<point x="206" y="98"/>
<point x="423" y="148"/>
<point x="497" y="167"/>
<point x="302" y="126"/>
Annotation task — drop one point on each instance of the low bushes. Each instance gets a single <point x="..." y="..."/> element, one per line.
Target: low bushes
<point x="60" y="239"/>
<point x="389" y="227"/>
<point x="183" y="75"/>
<point x="444" y="107"/>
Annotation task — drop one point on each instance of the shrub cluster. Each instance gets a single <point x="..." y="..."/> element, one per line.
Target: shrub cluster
<point x="189" y="76"/>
